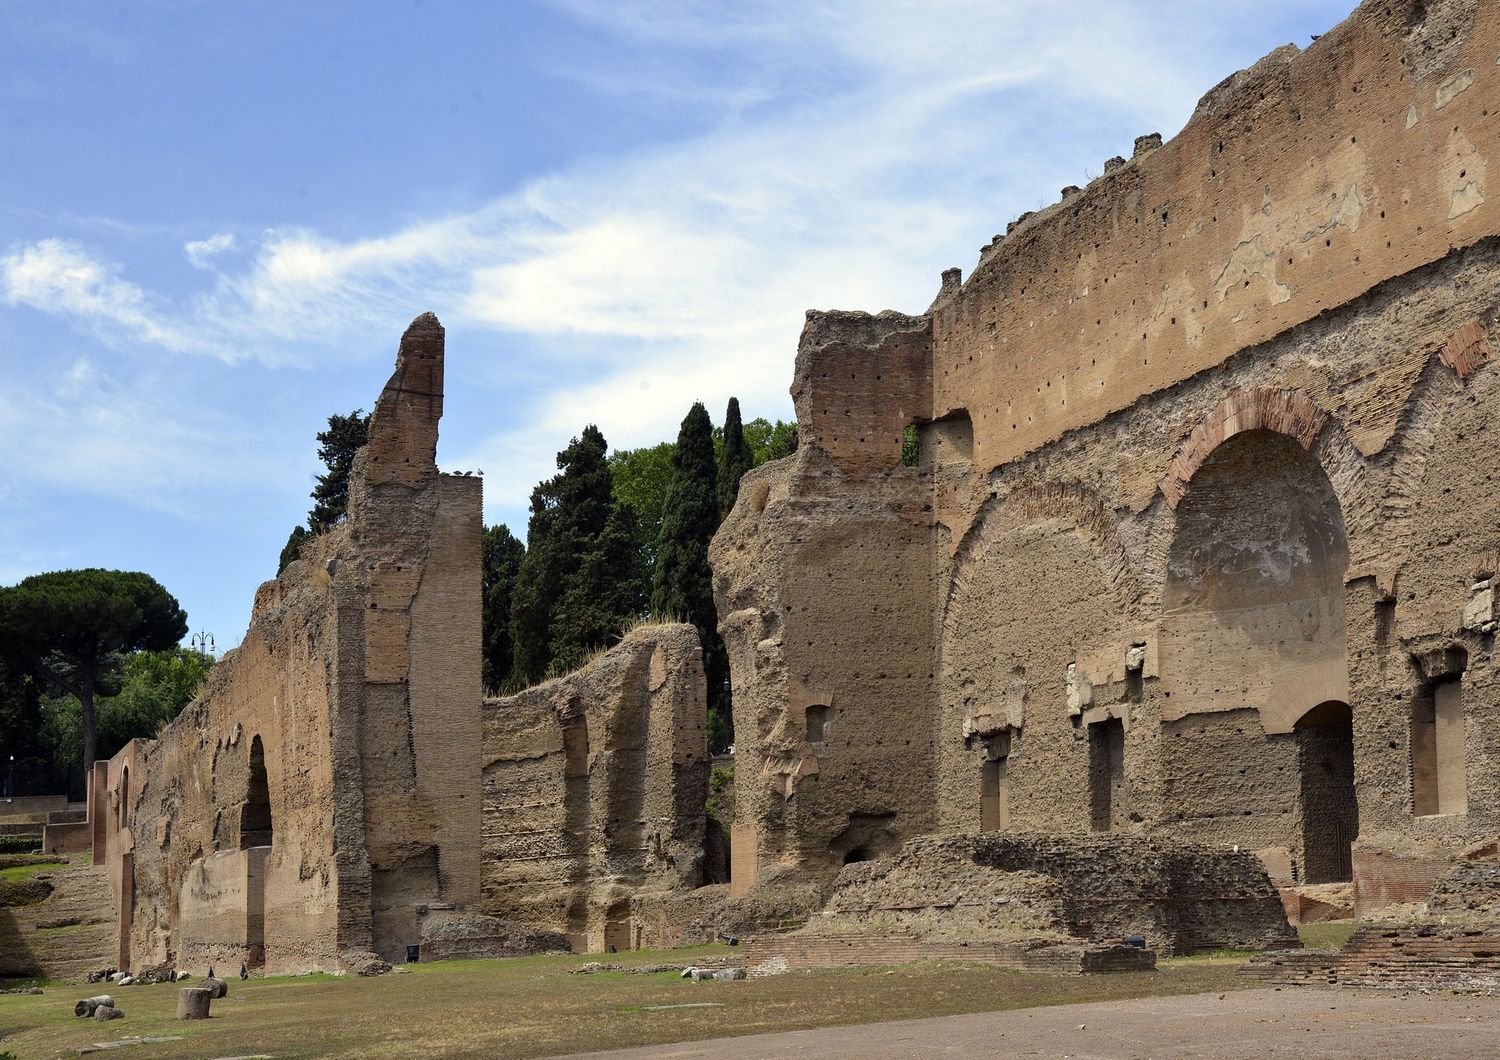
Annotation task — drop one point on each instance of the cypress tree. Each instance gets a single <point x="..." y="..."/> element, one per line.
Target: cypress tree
<point x="607" y="592"/>
<point x="734" y="458"/>
<point x="579" y="582"/>
<point x="683" y="581"/>
<point x="293" y="547"/>
<point x="502" y="562"/>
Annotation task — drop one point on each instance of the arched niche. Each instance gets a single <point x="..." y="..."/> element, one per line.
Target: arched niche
<point x="1253" y="607"/>
<point x="255" y="814"/>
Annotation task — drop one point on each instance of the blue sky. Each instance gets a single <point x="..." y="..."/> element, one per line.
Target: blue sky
<point x="216" y="218"/>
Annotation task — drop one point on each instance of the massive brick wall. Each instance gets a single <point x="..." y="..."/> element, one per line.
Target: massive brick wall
<point x="594" y="792"/>
<point x="1296" y="187"/>
<point x="321" y="793"/>
<point x="1208" y="454"/>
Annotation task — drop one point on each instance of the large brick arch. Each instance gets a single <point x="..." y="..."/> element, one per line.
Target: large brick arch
<point x="1287" y="412"/>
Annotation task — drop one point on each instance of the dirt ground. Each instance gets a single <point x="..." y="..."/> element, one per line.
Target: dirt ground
<point x="537" y="1006"/>
<point x="1248" y="1023"/>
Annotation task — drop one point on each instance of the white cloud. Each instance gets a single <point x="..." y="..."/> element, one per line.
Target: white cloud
<point x="201" y="252"/>
<point x="61" y="277"/>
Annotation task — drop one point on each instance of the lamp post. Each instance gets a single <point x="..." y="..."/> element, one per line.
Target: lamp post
<point x="10" y="779"/>
<point x="203" y="643"/>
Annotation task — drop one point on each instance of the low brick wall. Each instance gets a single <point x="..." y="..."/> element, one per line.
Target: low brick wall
<point x="1405" y="958"/>
<point x="773" y="954"/>
<point x="68" y="838"/>
<point x="1382" y="880"/>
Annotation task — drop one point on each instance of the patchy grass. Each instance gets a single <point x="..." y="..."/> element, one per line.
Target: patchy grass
<point x="532" y="1006"/>
<point x="17" y="873"/>
<point x="1329" y="935"/>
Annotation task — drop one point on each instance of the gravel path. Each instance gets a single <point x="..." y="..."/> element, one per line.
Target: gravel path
<point x="1298" y="1023"/>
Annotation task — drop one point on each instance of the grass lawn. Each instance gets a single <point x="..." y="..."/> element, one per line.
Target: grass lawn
<point x="17" y="873"/>
<point x="533" y="1007"/>
<point x="1330" y="935"/>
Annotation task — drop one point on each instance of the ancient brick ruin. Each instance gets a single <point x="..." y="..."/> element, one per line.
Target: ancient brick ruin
<point x="1189" y="588"/>
<point x="1201" y="535"/>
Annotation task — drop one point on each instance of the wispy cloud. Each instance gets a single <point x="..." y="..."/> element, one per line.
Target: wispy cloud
<point x="201" y="252"/>
<point x="61" y="277"/>
<point x="866" y="147"/>
<point x="138" y="442"/>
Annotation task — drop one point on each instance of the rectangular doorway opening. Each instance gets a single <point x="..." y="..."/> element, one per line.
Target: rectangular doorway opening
<point x="1439" y="774"/>
<point x="1106" y="773"/>
<point x="994" y="796"/>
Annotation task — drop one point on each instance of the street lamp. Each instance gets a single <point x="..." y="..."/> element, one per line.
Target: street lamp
<point x="203" y="643"/>
<point x="10" y="779"/>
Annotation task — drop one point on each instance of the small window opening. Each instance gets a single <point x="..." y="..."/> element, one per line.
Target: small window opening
<point x="817" y="723"/>
<point x="124" y="809"/>
<point x="910" y="447"/>
<point x="576" y="748"/>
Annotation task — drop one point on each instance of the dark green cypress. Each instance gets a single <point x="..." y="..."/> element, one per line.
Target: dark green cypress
<point x="293" y="547"/>
<point x="608" y="591"/>
<point x="336" y="448"/>
<point x="503" y="554"/>
<point x="734" y="458"/>
<point x="683" y="581"/>
<point x="573" y="585"/>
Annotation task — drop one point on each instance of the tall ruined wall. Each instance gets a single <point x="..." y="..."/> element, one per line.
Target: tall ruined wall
<point x="595" y="787"/>
<point x="1202" y="533"/>
<point x="823" y="580"/>
<point x="1296" y="187"/>
<point x="321" y="793"/>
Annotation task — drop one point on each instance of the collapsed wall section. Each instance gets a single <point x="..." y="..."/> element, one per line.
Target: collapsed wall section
<point x="594" y="789"/>
<point x="822" y="578"/>
<point x="1178" y="897"/>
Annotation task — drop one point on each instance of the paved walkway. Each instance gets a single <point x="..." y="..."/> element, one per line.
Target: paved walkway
<point x="1302" y="1023"/>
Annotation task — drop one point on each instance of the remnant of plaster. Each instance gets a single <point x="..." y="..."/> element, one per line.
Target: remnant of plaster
<point x="1080" y="693"/>
<point x="1454" y="87"/>
<point x="1350" y="210"/>
<point x="1411" y="116"/>
<point x="1465" y="198"/>
<point x="1251" y="258"/>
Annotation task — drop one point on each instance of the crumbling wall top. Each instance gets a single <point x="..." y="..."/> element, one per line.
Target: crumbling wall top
<point x="404" y="426"/>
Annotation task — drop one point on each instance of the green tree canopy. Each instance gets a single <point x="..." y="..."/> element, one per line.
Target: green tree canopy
<point x="770" y="441"/>
<point x="735" y="458"/>
<point x="502" y="562"/>
<point x="73" y="627"/>
<point x="608" y="591"/>
<point x="640" y="479"/>
<point x="336" y="448"/>
<point x="682" y="583"/>
<point x="21" y="730"/>
<point x="154" y="687"/>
